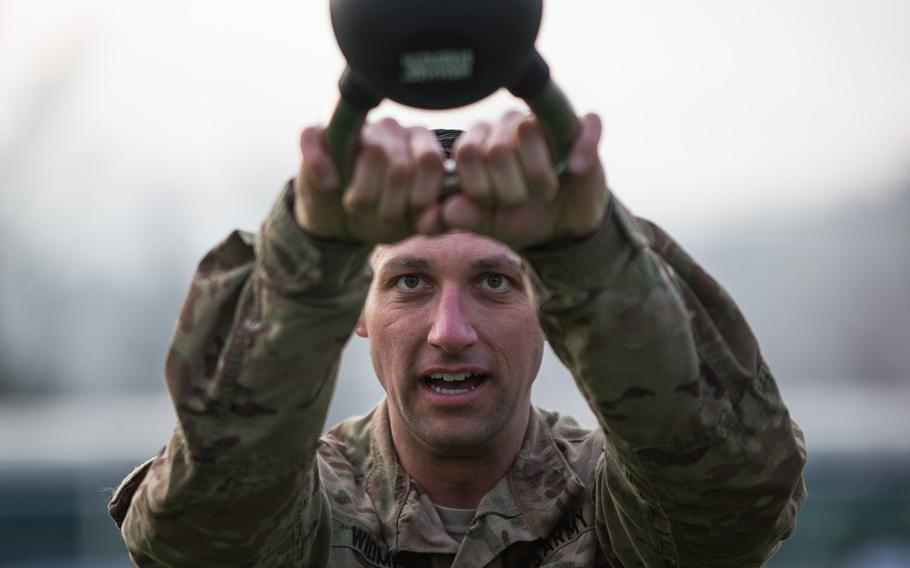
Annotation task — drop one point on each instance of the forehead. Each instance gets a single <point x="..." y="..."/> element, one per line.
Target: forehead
<point x="453" y="250"/>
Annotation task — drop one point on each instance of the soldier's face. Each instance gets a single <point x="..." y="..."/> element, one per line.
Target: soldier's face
<point x="454" y="340"/>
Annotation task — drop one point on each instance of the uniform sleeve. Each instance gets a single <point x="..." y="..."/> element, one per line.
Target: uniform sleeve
<point x="702" y="465"/>
<point x="251" y="371"/>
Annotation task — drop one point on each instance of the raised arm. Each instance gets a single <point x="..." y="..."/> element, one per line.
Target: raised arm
<point x="702" y="464"/>
<point x="253" y="362"/>
<point x="251" y="370"/>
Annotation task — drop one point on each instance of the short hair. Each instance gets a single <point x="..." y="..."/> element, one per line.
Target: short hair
<point x="447" y="138"/>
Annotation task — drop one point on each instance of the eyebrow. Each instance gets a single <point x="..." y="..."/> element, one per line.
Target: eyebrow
<point x="408" y="261"/>
<point x="411" y="262"/>
<point x="497" y="261"/>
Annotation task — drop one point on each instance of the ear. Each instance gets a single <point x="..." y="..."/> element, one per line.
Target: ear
<point x="361" y="328"/>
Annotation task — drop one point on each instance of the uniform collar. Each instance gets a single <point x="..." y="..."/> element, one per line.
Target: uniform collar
<point x="538" y="490"/>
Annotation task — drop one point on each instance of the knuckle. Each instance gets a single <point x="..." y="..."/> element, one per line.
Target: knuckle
<point x="311" y="173"/>
<point x="467" y="151"/>
<point x="310" y="143"/>
<point x="371" y="149"/>
<point x="309" y="134"/>
<point x="545" y="182"/>
<point x="399" y="174"/>
<point x="357" y="201"/>
<point x="371" y="137"/>
<point x="425" y="141"/>
<point x="429" y="161"/>
<point x="476" y="134"/>
<point x="501" y="151"/>
<point x="529" y="129"/>
<point x="389" y="123"/>
<point x="480" y="128"/>
<point x="512" y="116"/>
<point x="477" y="188"/>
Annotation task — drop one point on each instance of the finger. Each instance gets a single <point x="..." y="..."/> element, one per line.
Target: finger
<point x="399" y="176"/>
<point x="583" y="155"/>
<point x="369" y="173"/>
<point x="429" y="220"/>
<point x="428" y="159"/>
<point x="469" y="164"/>
<point x="503" y="163"/>
<point x="534" y="152"/>
<point x="318" y="167"/>
<point x="461" y="212"/>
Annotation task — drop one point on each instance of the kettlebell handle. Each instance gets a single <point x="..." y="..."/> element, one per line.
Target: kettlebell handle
<point x="535" y="86"/>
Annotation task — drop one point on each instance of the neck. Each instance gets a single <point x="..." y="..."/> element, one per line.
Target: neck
<point x="462" y="480"/>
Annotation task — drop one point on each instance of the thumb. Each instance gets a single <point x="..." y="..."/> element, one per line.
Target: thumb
<point x="459" y="212"/>
<point x="318" y="168"/>
<point x="583" y="155"/>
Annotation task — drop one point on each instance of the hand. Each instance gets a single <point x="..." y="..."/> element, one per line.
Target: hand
<point x="393" y="193"/>
<point x="510" y="192"/>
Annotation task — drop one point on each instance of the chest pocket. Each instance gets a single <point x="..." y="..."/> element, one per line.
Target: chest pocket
<point x="351" y="540"/>
<point x="572" y="542"/>
<point x="581" y="551"/>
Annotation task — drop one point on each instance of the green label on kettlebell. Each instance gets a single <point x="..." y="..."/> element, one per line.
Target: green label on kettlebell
<point x="441" y="65"/>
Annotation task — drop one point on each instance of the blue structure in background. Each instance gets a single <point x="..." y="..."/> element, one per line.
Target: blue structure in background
<point x="857" y="516"/>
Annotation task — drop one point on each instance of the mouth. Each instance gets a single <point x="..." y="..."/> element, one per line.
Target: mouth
<point x="451" y="384"/>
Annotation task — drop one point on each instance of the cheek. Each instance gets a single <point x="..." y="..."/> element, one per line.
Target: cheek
<point x="386" y="360"/>
<point x="399" y="323"/>
<point x="517" y="335"/>
<point x="394" y="334"/>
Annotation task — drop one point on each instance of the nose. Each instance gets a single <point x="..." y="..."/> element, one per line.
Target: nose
<point x="452" y="330"/>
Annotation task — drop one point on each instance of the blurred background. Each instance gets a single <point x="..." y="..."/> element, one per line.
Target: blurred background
<point x="772" y="139"/>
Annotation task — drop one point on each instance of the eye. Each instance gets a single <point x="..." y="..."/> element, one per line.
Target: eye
<point x="496" y="283"/>
<point x="410" y="282"/>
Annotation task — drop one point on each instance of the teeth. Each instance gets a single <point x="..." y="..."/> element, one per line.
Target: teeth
<point x="442" y="390"/>
<point x="451" y="377"/>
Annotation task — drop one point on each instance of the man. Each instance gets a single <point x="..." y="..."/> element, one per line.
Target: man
<point x="696" y="461"/>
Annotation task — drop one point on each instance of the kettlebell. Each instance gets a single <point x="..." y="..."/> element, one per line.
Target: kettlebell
<point x="434" y="54"/>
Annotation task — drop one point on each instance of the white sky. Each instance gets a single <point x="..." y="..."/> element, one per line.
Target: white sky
<point x="133" y="132"/>
<point x="134" y="118"/>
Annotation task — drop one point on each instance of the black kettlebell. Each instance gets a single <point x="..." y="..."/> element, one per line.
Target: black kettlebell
<point x="438" y="55"/>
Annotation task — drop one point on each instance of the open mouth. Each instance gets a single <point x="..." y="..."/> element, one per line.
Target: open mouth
<point x="454" y="383"/>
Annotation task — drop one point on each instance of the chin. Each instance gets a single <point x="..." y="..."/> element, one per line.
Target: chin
<point x="457" y="440"/>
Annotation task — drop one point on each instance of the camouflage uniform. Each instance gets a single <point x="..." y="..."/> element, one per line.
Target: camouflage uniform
<point x="696" y="461"/>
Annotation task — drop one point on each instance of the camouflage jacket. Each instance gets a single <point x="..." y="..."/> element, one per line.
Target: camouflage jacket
<point x="696" y="461"/>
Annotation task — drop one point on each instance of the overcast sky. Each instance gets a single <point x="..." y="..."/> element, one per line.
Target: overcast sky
<point x="134" y="135"/>
<point x="133" y="118"/>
